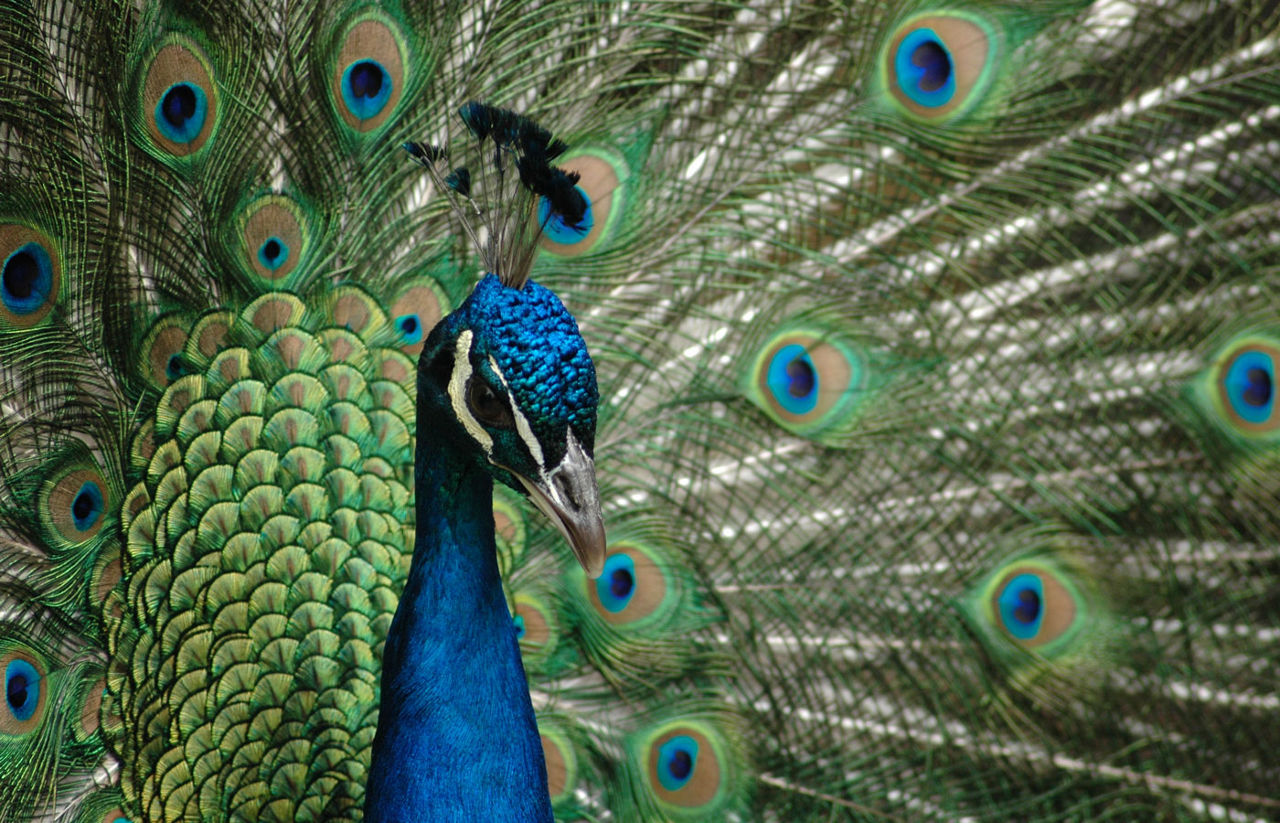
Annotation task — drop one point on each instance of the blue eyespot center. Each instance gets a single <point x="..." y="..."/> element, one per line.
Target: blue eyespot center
<point x="621" y="583"/>
<point x="173" y="367"/>
<point x="21" y="688"/>
<point x="616" y="585"/>
<point x="27" y="279"/>
<point x="924" y="69"/>
<point x="1028" y="609"/>
<point x="87" y="506"/>
<point x="802" y="377"/>
<point x="559" y="231"/>
<point x="518" y="620"/>
<point x="936" y="64"/>
<point x="366" y="79"/>
<point x="181" y="112"/>
<point x="677" y="759"/>
<point x="1022" y="606"/>
<point x="366" y="88"/>
<point x="273" y="253"/>
<point x="410" y="327"/>
<point x="1250" y="386"/>
<point x="1258" y="388"/>
<point x="178" y="105"/>
<point x="793" y="379"/>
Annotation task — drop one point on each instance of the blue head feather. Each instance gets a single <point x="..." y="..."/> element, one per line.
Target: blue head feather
<point x="455" y="718"/>
<point x="543" y="359"/>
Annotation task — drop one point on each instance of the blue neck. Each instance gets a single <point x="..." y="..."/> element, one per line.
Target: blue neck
<point x="456" y="737"/>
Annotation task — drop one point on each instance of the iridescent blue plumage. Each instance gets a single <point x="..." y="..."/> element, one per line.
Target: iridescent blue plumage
<point x="506" y="390"/>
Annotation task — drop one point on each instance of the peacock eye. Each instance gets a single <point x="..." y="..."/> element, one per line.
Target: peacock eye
<point x="487" y="406"/>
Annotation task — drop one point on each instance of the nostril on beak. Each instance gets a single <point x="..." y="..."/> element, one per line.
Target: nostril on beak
<point x="567" y="492"/>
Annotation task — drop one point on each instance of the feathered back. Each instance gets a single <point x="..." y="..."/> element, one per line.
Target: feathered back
<point x="938" y="442"/>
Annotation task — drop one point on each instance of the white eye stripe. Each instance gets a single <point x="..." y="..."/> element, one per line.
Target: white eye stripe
<point x="522" y="423"/>
<point x="458" y="393"/>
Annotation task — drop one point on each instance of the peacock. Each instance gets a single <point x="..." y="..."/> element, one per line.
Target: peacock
<point x="929" y="413"/>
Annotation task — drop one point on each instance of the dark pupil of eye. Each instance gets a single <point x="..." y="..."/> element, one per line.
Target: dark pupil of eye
<point x="82" y="506"/>
<point x="179" y="105"/>
<point x="16" y="691"/>
<point x="1258" y="391"/>
<point x="409" y="325"/>
<point x="680" y="764"/>
<point x="271" y="249"/>
<point x="1028" y="608"/>
<point x="620" y="583"/>
<point x="801" y="378"/>
<point x="931" y="57"/>
<point x="20" y="275"/>
<point x="366" y="79"/>
<point x="486" y="403"/>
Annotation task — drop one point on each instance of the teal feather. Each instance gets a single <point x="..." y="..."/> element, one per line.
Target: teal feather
<point x="1023" y="567"/>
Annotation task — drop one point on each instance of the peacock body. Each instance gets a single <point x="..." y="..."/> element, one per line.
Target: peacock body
<point x="938" y="442"/>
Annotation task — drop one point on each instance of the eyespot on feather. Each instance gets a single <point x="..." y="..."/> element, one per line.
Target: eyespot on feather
<point x="179" y="102"/>
<point x="1244" y="386"/>
<point x="25" y="692"/>
<point x="684" y="767"/>
<point x="562" y="763"/>
<point x="415" y="313"/>
<point x="537" y="626"/>
<point x="807" y="381"/>
<point x="274" y="238"/>
<point x="938" y="65"/>
<point x="1036" y="604"/>
<point x="368" y="74"/>
<point x="634" y="588"/>
<point x="31" y="278"/>
<point x="1032" y="606"/>
<point x="76" y="502"/>
<point x="601" y="176"/>
<point x="162" y="350"/>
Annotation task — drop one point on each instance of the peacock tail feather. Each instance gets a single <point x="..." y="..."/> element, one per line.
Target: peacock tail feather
<point x="939" y="439"/>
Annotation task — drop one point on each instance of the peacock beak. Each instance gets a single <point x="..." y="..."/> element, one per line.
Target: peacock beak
<point x="569" y="497"/>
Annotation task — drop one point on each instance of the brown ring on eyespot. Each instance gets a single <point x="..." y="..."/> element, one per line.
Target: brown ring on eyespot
<point x="177" y="64"/>
<point x="422" y="302"/>
<point x="351" y="312"/>
<point x="557" y="767"/>
<point x="833" y="374"/>
<point x="537" y="631"/>
<point x="1057" y="606"/>
<point x="62" y="497"/>
<point x="212" y="338"/>
<point x="598" y="179"/>
<point x="369" y="39"/>
<point x="89" y="712"/>
<point x="1224" y="397"/>
<point x="107" y="579"/>
<point x="969" y="48"/>
<point x="13" y="237"/>
<point x="273" y="222"/>
<point x="167" y="343"/>
<point x="393" y="369"/>
<point x="503" y="525"/>
<point x="650" y="588"/>
<point x="272" y="315"/>
<point x="703" y="784"/>
<point x="114" y="815"/>
<point x="9" y="723"/>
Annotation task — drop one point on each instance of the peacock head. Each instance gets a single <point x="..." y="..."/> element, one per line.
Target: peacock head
<point x="509" y="376"/>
